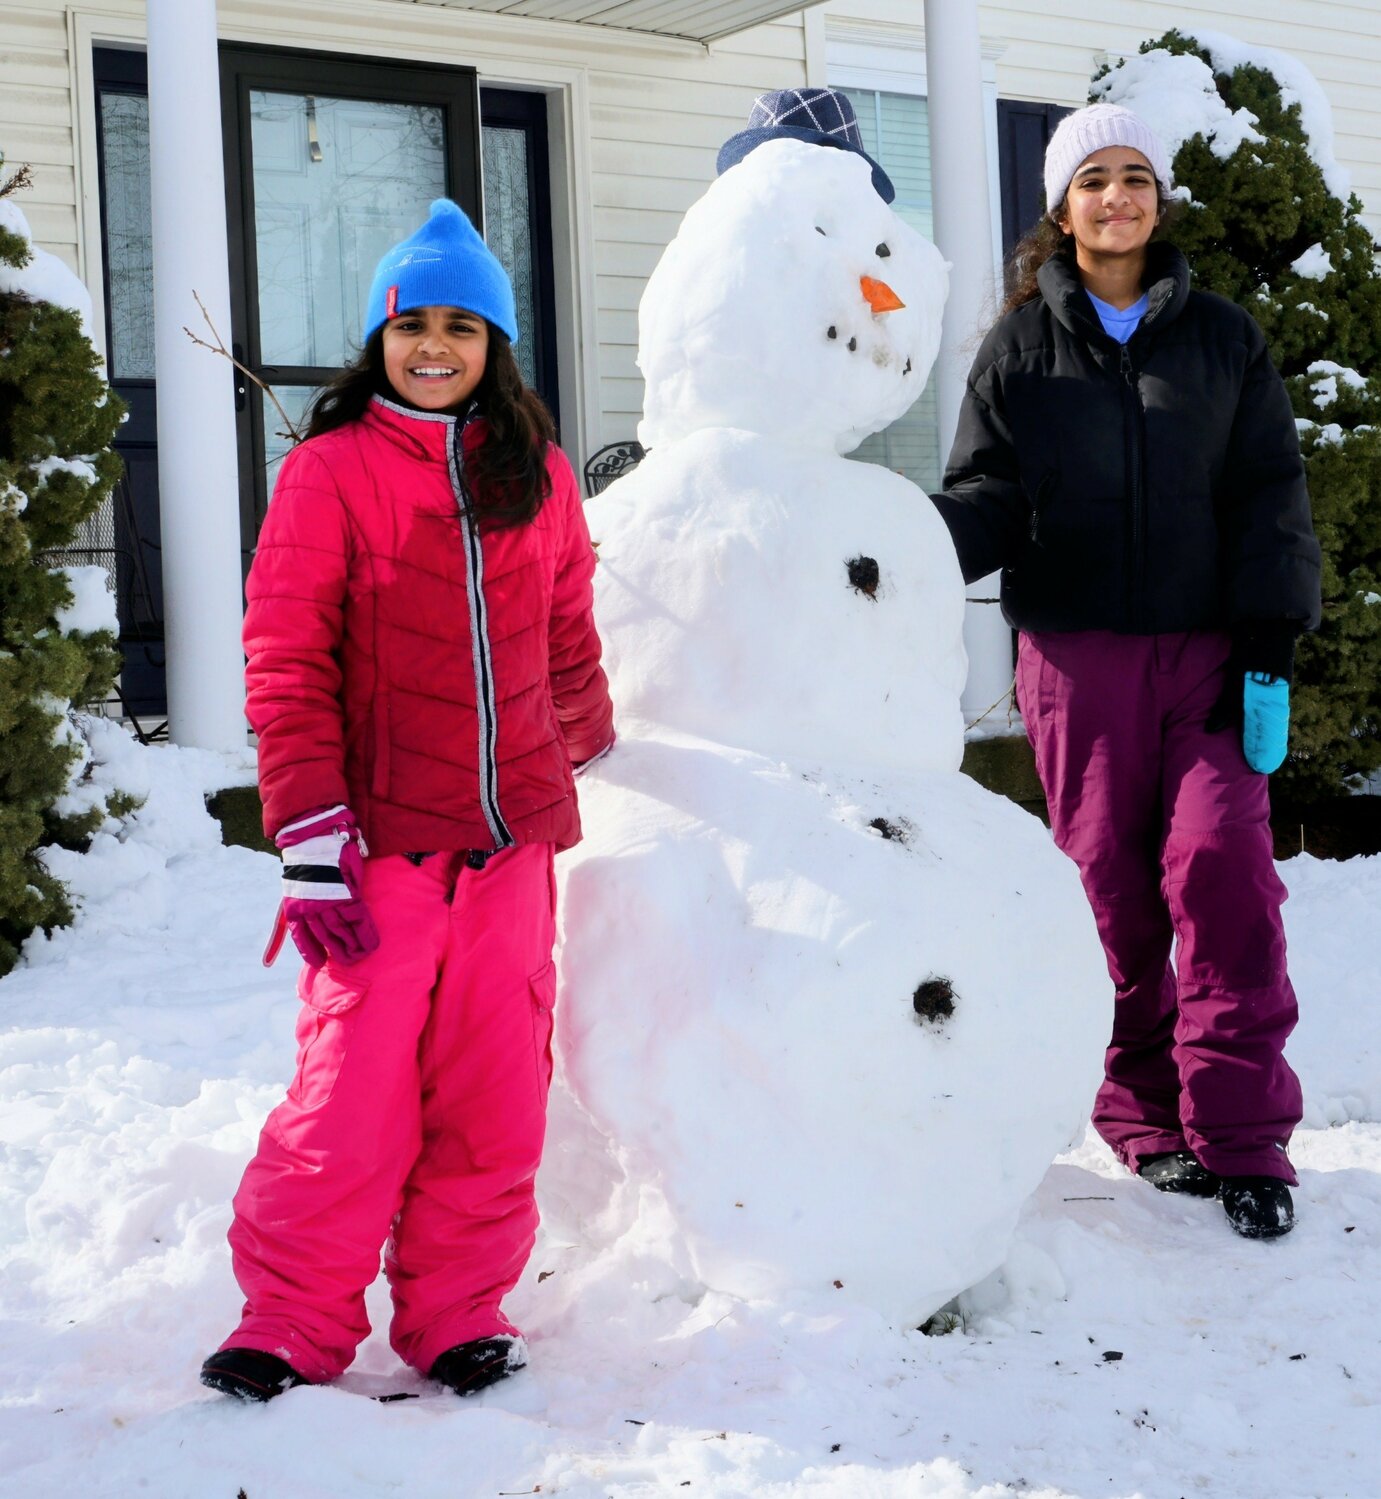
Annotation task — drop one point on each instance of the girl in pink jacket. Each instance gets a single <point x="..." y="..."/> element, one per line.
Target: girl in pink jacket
<point x="423" y="677"/>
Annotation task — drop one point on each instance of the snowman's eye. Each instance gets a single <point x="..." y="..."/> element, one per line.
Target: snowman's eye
<point x="882" y="252"/>
<point x="819" y="230"/>
<point x="831" y="331"/>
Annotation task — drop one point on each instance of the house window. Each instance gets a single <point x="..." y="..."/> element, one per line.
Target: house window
<point x="896" y="134"/>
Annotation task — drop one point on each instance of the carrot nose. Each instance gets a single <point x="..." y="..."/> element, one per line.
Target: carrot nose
<point x="879" y="296"/>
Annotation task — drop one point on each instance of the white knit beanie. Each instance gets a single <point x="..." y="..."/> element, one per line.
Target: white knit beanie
<point x="1080" y="134"/>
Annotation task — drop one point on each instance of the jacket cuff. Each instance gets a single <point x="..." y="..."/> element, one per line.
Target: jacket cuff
<point x="1267" y="646"/>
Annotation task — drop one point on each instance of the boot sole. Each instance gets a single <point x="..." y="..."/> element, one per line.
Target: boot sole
<point x="1206" y="1189"/>
<point x="486" y="1374"/>
<point x="1252" y="1231"/>
<point x="239" y="1387"/>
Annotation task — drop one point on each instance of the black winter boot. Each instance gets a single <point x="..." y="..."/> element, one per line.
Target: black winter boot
<point x="469" y="1367"/>
<point x="1258" y="1207"/>
<point x="248" y="1374"/>
<point x="1178" y="1171"/>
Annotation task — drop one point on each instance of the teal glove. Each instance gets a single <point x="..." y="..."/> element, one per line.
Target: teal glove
<point x="1265" y="721"/>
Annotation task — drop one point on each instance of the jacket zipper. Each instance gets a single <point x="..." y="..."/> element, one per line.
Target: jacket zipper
<point x="486" y="705"/>
<point x="1043" y="492"/>
<point x="1136" y="551"/>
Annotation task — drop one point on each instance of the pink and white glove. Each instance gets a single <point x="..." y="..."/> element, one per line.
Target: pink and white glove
<point x="323" y="869"/>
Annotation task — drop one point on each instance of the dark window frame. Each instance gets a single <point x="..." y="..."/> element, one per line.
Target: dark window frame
<point x="527" y="110"/>
<point x="115" y="70"/>
<point x="1036" y="122"/>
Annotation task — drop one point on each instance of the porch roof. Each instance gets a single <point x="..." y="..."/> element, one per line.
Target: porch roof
<point x="693" y="20"/>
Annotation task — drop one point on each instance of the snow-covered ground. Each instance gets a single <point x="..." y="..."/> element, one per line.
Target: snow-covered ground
<point x="1131" y="1346"/>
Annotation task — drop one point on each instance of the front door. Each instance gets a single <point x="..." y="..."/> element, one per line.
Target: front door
<point x="330" y="160"/>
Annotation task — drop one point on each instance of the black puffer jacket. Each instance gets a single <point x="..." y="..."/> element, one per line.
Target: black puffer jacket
<point x="1147" y="487"/>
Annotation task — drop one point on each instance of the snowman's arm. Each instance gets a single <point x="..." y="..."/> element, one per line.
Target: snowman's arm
<point x="579" y="688"/>
<point x="983" y="503"/>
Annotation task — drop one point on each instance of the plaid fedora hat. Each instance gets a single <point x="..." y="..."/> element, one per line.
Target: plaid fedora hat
<point x="820" y="116"/>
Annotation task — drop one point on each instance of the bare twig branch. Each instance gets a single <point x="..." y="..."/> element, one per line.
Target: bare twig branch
<point x="991" y="706"/>
<point x="219" y="348"/>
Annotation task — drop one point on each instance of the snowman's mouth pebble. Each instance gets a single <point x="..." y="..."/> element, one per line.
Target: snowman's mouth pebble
<point x="933" y="1001"/>
<point x="881" y="355"/>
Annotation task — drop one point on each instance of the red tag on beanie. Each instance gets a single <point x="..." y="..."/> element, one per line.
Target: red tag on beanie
<point x="391" y="302"/>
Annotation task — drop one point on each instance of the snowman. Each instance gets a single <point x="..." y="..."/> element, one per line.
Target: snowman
<point x="829" y="1009"/>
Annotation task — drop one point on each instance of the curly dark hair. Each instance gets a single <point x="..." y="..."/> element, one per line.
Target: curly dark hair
<point x="507" y="474"/>
<point x="1046" y="238"/>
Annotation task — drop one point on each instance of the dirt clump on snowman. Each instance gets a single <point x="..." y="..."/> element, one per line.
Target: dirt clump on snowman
<point x="828" y="1004"/>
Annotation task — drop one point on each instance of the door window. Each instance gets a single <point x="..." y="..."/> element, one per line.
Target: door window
<point x="124" y="534"/>
<point x="124" y="125"/>
<point x="508" y="228"/>
<point x="336" y="182"/>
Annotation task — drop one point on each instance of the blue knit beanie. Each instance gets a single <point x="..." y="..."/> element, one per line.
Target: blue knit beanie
<point x="444" y="264"/>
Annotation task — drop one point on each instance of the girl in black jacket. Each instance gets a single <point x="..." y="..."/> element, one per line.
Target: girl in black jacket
<point x="1127" y="456"/>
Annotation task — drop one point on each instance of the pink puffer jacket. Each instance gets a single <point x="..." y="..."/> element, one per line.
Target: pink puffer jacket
<point x="439" y="682"/>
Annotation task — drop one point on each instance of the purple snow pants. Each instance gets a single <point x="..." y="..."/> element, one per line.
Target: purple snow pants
<point x="1169" y="828"/>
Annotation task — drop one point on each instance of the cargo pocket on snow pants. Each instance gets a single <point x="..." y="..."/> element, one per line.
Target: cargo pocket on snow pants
<point x="542" y="987"/>
<point x="324" y="1027"/>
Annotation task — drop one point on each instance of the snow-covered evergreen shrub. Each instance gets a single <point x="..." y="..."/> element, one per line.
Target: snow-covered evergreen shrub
<point x="57" y="642"/>
<point x="1271" y="224"/>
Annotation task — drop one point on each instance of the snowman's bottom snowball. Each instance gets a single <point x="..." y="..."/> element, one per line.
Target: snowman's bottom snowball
<point x="741" y="957"/>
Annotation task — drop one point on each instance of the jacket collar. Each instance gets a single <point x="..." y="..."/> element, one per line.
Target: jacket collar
<point x="1167" y="290"/>
<point x="424" y="433"/>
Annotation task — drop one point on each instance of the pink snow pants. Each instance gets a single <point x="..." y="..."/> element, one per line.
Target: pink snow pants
<point x="1169" y="827"/>
<point x="416" y="1115"/>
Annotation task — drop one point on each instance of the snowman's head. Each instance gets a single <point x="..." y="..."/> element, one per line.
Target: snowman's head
<point x="793" y="302"/>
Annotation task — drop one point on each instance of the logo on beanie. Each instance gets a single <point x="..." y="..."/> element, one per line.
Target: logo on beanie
<point x="391" y="302"/>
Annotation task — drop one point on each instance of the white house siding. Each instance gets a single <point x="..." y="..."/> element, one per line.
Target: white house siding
<point x="656" y="125"/>
<point x="1051" y="48"/>
<point x="36" y="121"/>
<point x="646" y="118"/>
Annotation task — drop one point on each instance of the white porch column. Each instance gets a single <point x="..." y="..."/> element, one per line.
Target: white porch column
<point x="198" y="491"/>
<point x="963" y="231"/>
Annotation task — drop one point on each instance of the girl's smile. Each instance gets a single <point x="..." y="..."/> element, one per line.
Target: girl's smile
<point x="434" y="357"/>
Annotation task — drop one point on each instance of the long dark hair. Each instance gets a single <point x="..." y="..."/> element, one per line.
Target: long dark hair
<point x="507" y="473"/>
<point x="1046" y="239"/>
